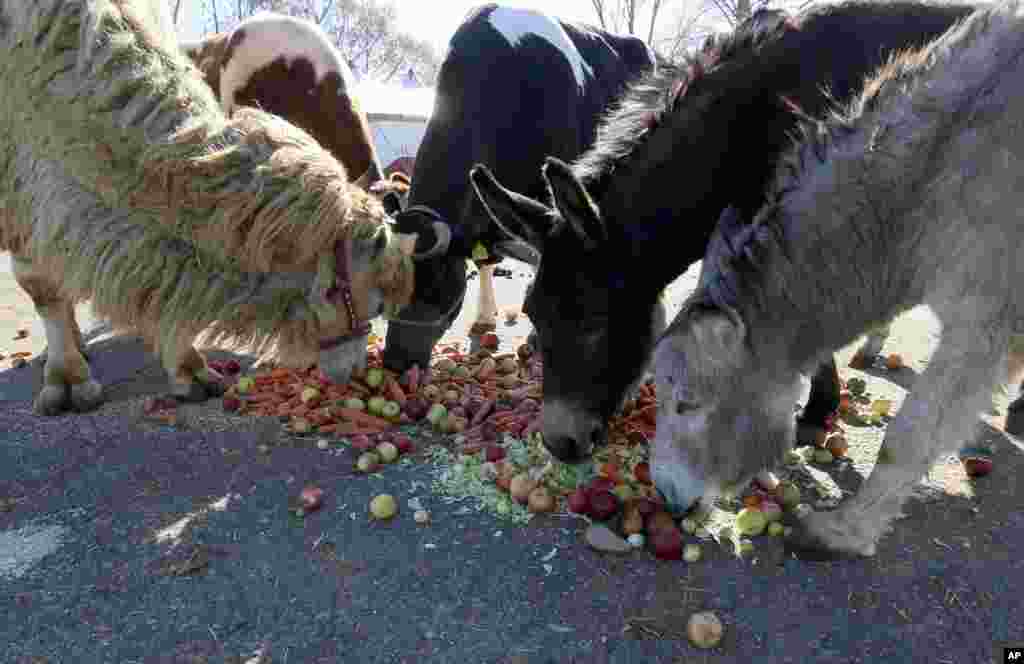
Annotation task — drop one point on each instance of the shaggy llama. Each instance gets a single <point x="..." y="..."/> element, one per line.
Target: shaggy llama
<point x="912" y="197"/>
<point x="121" y="182"/>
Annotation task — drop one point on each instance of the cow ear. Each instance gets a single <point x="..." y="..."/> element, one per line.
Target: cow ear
<point x="574" y="203"/>
<point x="516" y="216"/>
<point x="518" y="250"/>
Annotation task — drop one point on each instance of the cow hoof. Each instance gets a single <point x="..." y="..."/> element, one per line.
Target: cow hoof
<point x="51" y="400"/>
<point x="809" y="434"/>
<point x="1015" y="418"/>
<point x="86" y="396"/>
<point x="807" y="539"/>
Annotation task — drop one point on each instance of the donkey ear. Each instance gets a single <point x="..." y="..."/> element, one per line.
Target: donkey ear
<point x="573" y="202"/>
<point x="720" y="247"/>
<point x="516" y="216"/>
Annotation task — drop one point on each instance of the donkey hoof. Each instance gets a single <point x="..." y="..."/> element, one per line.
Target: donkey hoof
<point x="86" y="396"/>
<point x="806" y="542"/>
<point x="51" y="400"/>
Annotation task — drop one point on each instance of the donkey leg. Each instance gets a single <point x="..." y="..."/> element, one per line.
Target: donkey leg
<point x="822" y="403"/>
<point x="487" y="305"/>
<point x="871" y="348"/>
<point x="67" y="380"/>
<point x="190" y="377"/>
<point x="934" y="419"/>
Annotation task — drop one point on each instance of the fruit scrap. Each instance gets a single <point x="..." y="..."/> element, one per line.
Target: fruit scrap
<point x="383" y="507"/>
<point x="750" y="522"/>
<point x="311" y="498"/>
<point x="704" y="629"/>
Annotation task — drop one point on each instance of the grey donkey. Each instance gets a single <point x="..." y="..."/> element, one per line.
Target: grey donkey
<point x="912" y="196"/>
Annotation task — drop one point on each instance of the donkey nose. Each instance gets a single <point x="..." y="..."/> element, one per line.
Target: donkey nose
<point x="568" y="449"/>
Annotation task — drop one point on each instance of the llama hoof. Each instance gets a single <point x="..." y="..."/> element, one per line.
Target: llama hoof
<point x="213" y="382"/>
<point x="193" y="392"/>
<point x="86" y="396"/>
<point x="51" y="400"/>
<point x="816" y="537"/>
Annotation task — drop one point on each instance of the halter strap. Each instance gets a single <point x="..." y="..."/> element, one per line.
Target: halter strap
<point x="341" y="293"/>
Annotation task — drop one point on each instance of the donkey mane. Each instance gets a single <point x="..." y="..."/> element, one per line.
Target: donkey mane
<point x="646" y="104"/>
<point x="814" y="142"/>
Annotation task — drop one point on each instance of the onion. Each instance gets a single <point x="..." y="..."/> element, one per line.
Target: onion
<point x="540" y="500"/>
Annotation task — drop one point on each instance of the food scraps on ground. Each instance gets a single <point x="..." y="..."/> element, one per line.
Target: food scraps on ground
<point x="704" y="629"/>
<point x="422" y="517"/>
<point x="311" y="498"/>
<point x="383" y="506"/>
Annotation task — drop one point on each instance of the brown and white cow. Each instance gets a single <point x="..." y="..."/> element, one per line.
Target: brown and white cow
<point x="287" y="66"/>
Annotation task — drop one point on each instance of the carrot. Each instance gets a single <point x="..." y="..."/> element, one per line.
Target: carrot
<point x="363" y="419"/>
<point x="280" y="373"/>
<point x="328" y="428"/>
<point x="481" y="415"/>
<point x="414" y="378"/>
<point x="360" y="389"/>
<point x="262" y="397"/>
<point x="352" y="429"/>
<point x="487" y="368"/>
<point x="394" y="390"/>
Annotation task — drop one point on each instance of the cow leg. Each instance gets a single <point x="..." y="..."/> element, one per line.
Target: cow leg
<point x="871" y="348"/>
<point x="822" y="403"/>
<point x="190" y="378"/>
<point x="487" y="305"/>
<point x="67" y="379"/>
<point x="1015" y="372"/>
<point x="934" y="419"/>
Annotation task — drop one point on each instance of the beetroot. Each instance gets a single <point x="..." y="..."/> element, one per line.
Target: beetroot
<point x="494" y="453"/>
<point x="231" y="404"/>
<point x="403" y="443"/>
<point x="602" y="484"/>
<point x="603" y="504"/>
<point x="579" y="501"/>
<point x="489" y="430"/>
<point x="416" y="408"/>
<point x="362" y="443"/>
<point x="667" y="544"/>
<point x="232" y="367"/>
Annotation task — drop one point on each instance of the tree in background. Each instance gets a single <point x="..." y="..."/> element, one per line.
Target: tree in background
<point x="675" y="27"/>
<point x="365" y="31"/>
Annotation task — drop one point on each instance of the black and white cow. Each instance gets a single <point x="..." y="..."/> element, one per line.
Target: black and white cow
<point x="515" y="86"/>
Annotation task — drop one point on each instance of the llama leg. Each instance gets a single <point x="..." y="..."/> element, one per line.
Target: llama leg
<point x="487" y="306"/>
<point x="934" y="419"/>
<point x="871" y="348"/>
<point x="191" y="379"/>
<point x="67" y="380"/>
<point x="822" y="403"/>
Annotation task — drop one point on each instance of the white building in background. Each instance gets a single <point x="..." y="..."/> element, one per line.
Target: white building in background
<point x="398" y="117"/>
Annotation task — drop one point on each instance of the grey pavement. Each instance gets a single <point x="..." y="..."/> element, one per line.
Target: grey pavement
<point x="90" y="571"/>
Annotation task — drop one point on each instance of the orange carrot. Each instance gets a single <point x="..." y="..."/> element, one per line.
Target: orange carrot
<point x="261" y="397"/>
<point x="394" y="390"/>
<point x="363" y="419"/>
<point x="280" y="373"/>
